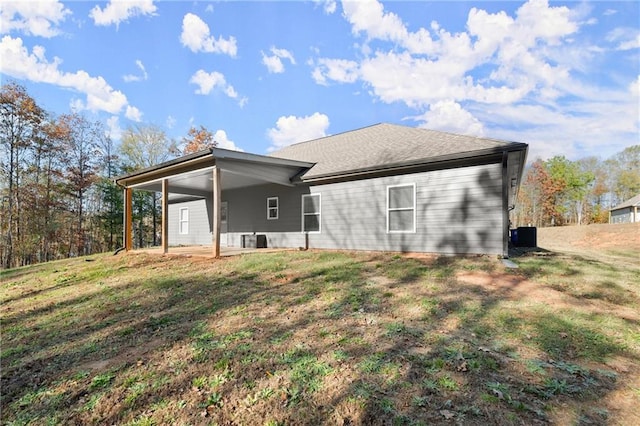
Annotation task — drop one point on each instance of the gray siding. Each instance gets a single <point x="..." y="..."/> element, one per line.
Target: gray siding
<point x="248" y="215"/>
<point x="457" y="211"/>
<point x="624" y="215"/>
<point x="199" y="223"/>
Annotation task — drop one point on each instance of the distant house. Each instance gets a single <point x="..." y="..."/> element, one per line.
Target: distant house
<point x="626" y="212"/>
<point x="384" y="187"/>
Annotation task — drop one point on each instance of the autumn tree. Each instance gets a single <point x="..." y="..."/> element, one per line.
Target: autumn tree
<point x="21" y="119"/>
<point x="198" y="140"/>
<point x="545" y="191"/>
<point x="597" y="197"/>
<point x="80" y="139"/>
<point x="45" y="186"/>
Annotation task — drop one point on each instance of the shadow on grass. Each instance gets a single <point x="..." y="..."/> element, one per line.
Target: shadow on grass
<point x="295" y="338"/>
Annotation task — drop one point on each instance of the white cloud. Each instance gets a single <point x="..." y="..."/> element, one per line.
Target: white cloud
<point x="338" y="70"/>
<point x="209" y="8"/>
<point x="430" y="65"/>
<point x="610" y="12"/>
<point x="196" y="35"/>
<point x="114" y="131"/>
<point x="170" y="122"/>
<point x="502" y="63"/>
<point x="274" y="62"/>
<point x="634" y="88"/>
<point x="133" y="113"/>
<point x="17" y="62"/>
<point x="220" y="136"/>
<point x="449" y="116"/>
<point x="207" y="82"/>
<point x="133" y="77"/>
<point x="602" y="123"/>
<point x="625" y="38"/>
<point x="39" y="18"/>
<point x="292" y="129"/>
<point x="537" y="21"/>
<point x="329" y="6"/>
<point x="118" y="11"/>
<point x="369" y="17"/>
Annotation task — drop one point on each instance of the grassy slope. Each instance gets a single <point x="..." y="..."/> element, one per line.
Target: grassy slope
<point x="321" y="337"/>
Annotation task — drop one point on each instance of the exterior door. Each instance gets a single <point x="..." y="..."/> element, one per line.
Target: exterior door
<point x="224" y="214"/>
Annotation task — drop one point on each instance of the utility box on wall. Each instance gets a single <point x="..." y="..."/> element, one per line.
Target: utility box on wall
<point x="254" y="241"/>
<point x="525" y="236"/>
<point x="249" y="241"/>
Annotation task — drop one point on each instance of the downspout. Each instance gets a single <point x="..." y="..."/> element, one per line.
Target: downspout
<point x="505" y="205"/>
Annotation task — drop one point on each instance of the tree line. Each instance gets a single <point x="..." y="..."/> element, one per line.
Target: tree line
<point x="57" y="194"/>
<point x="58" y="198"/>
<point x="558" y="191"/>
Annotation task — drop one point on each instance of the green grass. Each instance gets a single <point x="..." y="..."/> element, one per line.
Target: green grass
<point x="313" y="338"/>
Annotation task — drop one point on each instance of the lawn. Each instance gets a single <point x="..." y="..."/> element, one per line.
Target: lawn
<point x="313" y="337"/>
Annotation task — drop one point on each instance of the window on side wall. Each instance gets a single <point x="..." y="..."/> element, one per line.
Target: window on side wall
<point x="183" y="227"/>
<point x="311" y="213"/>
<point x="272" y="208"/>
<point x="401" y="208"/>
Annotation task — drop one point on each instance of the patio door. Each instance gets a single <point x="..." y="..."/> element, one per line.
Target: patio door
<point x="224" y="215"/>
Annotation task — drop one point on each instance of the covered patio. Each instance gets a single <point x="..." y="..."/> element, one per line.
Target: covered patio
<point x="204" y="175"/>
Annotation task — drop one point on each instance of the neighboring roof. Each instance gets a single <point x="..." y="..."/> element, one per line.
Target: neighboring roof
<point x="385" y="146"/>
<point x="631" y="202"/>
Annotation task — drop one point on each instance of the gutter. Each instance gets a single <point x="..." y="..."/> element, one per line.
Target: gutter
<point x="442" y="159"/>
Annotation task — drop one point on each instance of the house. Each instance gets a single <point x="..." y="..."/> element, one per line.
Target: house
<point x="626" y="212"/>
<point x="383" y="187"/>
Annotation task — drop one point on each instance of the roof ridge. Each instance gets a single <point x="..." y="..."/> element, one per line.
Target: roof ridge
<point x="384" y="123"/>
<point x="329" y="136"/>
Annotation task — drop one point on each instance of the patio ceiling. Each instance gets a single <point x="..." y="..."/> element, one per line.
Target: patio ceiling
<point x="192" y="176"/>
<point x="199" y="183"/>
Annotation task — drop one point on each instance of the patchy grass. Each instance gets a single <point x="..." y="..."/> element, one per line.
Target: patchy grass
<point x="321" y="338"/>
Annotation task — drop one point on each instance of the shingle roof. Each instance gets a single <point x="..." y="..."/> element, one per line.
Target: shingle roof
<point x="631" y="202"/>
<point x="386" y="145"/>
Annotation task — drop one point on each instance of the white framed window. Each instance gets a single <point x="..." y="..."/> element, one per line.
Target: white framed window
<point x="401" y="208"/>
<point x="272" y="208"/>
<point x="183" y="226"/>
<point x="311" y="205"/>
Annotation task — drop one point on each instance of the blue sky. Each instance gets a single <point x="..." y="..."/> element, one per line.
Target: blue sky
<point x="561" y="76"/>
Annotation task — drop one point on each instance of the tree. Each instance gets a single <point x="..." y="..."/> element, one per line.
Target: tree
<point x="626" y="173"/>
<point x="596" y="206"/>
<point x="111" y="208"/>
<point x="145" y="146"/>
<point x="80" y="138"/>
<point x="546" y="190"/>
<point x="572" y="184"/>
<point x="198" y="140"/>
<point x="20" y="121"/>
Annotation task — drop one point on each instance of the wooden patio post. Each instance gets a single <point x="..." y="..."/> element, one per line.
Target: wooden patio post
<point x="128" y="221"/>
<point x="165" y="215"/>
<point x="217" y="193"/>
